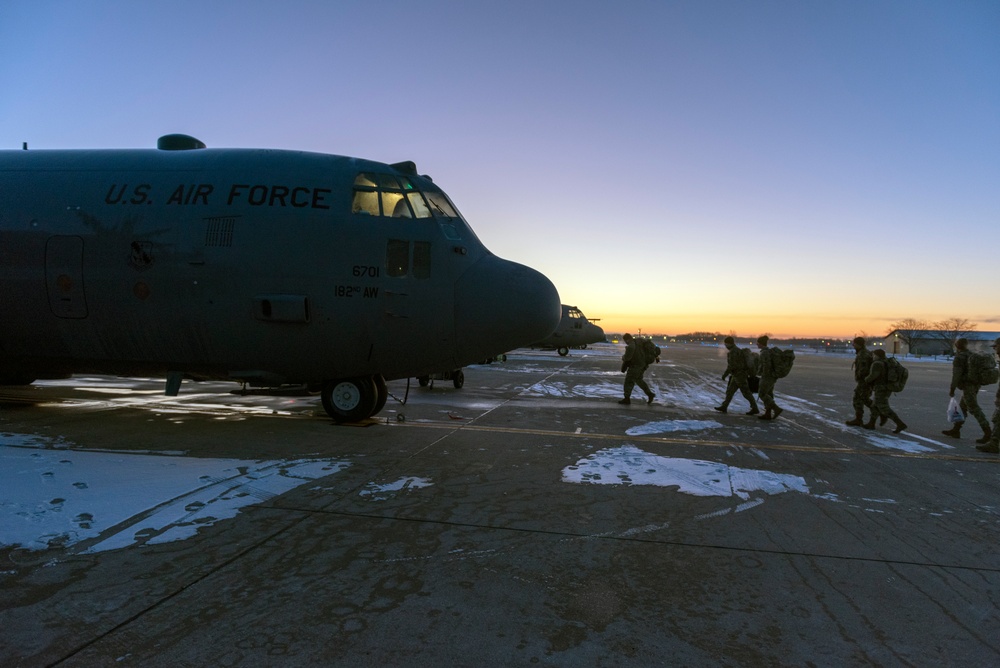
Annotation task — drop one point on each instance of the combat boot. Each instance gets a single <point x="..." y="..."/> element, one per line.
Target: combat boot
<point x="870" y="424"/>
<point x="859" y="419"/>
<point x="900" y="425"/>
<point x="721" y="409"/>
<point x="989" y="447"/>
<point x="766" y="416"/>
<point x="955" y="431"/>
<point x="753" y="410"/>
<point x="987" y="435"/>
<point x="625" y="401"/>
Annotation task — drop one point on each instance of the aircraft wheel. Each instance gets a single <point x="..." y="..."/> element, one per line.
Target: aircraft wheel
<point x="383" y="393"/>
<point x="349" y="400"/>
<point x="458" y="379"/>
<point x="563" y="351"/>
<point x="423" y="380"/>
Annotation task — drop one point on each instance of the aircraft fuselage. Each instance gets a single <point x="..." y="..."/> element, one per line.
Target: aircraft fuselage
<point x="264" y="266"/>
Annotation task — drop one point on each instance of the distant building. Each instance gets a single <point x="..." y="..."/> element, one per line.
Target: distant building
<point x="933" y="342"/>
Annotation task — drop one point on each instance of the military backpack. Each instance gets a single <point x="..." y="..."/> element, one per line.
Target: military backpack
<point x="650" y="351"/>
<point x="983" y="369"/>
<point x="782" y="361"/>
<point x="896" y="374"/>
<point x="751" y="362"/>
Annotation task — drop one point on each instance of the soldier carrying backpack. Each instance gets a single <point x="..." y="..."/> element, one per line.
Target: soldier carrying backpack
<point x="992" y="445"/>
<point x="862" y="397"/>
<point x="968" y="381"/>
<point x="740" y="367"/>
<point x="879" y="380"/>
<point x="634" y="363"/>
<point x="774" y="364"/>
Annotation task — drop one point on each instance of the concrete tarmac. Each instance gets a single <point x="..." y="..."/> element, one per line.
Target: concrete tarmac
<point x="527" y="519"/>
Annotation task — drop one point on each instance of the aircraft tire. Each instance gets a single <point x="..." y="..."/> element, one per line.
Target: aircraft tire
<point x="459" y="379"/>
<point x="383" y="393"/>
<point x="563" y="351"/>
<point x="350" y="399"/>
<point x="424" y="380"/>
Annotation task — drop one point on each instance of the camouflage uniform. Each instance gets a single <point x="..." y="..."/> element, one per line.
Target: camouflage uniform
<point x="993" y="444"/>
<point x="767" y="381"/>
<point x="635" y="361"/>
<point x="969" y="402"/>
<point x="862" y="365"/>
<point x="878" y="380"/>
<point x="739" y="379"/>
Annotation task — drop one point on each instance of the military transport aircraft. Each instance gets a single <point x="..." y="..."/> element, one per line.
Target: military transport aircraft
<point x="266" y="267"/>
<point x="574" y="331"/>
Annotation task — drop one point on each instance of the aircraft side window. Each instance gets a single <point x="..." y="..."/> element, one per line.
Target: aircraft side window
<point x="387" y="181"/>
<point x="421" y="259"/>
<point x="365" y="201"/>
<point x="396" y="204"/>
<point x="397" y="257"/>
<point x="450" y="232"/>
<point x="419" y="204"/>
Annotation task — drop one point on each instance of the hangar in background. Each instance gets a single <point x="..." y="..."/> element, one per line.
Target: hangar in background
<point x="934" y="341"/>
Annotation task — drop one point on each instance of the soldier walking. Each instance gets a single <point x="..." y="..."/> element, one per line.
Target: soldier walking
<point x="768" y="378"/>
<point x="862" y="389"/>
<point x="993" y="443"/>
<point x="634" y="365"/>
<point x="878" y="380"/>
<point x="961" y="380"/>
<point x="738" y="372"/>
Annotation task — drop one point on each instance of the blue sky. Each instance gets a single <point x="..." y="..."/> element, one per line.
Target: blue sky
<point x="792" y="167"/>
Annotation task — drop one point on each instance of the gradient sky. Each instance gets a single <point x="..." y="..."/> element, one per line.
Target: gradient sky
<point x="792" y="167"/>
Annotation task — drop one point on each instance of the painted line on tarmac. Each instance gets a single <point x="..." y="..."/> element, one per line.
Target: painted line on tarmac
<point x="785" y="447"/>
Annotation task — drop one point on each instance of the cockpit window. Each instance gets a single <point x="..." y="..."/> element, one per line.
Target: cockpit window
<point x="365" y="201"/>
<point x="574" y="313"/>
<point x="418" y="204"/>
<point x="440" y="205"/>
<point x="365" y="179"/>
<point x="392" y="196"/>
<point x="394" y="205"/>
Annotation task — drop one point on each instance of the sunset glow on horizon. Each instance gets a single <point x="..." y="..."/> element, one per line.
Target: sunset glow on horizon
<point x="805" y="169"/>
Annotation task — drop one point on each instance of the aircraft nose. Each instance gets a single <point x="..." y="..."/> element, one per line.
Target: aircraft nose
<point x="502" y="305"/>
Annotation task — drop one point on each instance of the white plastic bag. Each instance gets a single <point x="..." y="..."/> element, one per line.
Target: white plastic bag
<point x="955" y="414"/>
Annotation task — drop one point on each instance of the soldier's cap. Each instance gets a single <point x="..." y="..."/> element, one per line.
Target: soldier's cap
<point x="859" y="339"/>
<point x="729" y="340"/>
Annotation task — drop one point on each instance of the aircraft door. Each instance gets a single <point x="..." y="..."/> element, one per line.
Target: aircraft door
<point x="64" y="276"/>
<point x="418" y="284"/>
